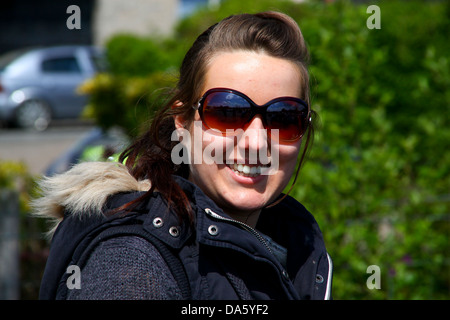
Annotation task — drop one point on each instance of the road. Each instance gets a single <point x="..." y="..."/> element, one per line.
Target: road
<point x="39" y="149"/>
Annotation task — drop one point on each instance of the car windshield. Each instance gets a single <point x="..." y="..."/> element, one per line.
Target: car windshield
<point x="9" y="57"/>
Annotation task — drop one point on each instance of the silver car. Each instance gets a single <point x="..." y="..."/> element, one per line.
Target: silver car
<point x="38" y="85"/>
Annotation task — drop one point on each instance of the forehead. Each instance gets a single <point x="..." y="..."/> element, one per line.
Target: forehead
<point x="258" y="75"/>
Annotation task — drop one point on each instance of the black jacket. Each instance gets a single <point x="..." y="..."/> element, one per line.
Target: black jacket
<point x="220" y="258"/>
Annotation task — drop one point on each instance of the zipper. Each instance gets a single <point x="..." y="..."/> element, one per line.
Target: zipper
<point x="241" y="224"/>
<point x="249" y="229"/>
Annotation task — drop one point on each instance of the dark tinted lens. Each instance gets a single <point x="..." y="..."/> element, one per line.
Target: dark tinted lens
<point x="289" y="117"/>
<point x="225" y="110"/>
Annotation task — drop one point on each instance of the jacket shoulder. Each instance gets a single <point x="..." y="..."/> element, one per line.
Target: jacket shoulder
<point x="103" y="276"/>
<point x="83" y="190"/>
<point x="290" y="214"/>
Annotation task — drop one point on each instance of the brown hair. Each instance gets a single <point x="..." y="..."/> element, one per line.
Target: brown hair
<point x="149" y="157"/>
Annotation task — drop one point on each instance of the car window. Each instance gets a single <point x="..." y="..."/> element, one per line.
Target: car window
<point x="65" y="64"/>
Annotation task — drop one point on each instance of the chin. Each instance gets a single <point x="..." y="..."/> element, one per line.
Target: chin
<point x="244" y="203"/>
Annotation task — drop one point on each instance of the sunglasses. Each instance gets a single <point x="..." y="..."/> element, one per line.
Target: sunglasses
<point x="221" y="109"/>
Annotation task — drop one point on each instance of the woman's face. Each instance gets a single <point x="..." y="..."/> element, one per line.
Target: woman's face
<point x="262" y="78"/>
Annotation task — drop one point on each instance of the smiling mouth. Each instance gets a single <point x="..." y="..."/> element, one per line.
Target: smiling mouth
<point x="246" y="170"/>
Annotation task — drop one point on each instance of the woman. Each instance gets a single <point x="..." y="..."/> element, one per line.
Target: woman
<point x="202" y="216"/>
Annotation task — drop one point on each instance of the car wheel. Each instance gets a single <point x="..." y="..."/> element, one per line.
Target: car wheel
<point x="33" y="114"/>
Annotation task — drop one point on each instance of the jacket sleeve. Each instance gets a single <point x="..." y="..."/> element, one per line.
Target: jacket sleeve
<point x="126" y="268"/>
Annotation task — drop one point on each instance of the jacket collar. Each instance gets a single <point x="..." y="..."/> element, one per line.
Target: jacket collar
<point x="288" y="223"/>
<point x="212" y="226"/>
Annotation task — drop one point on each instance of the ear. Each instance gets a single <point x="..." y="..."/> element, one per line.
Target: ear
<point x="180" y="121"/>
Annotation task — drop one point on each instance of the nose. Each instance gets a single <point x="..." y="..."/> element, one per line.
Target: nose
<point x="253" y="142"/>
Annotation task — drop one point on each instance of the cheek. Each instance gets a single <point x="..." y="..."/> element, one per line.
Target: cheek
<point x="288" y="155"/>
<point x="209" y="147"/>
<point x="207" y="159"/>
<point x="208" y="153"/>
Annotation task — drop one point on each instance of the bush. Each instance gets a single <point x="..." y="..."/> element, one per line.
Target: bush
<point x="378" y="176"/>
<point x="126" y="102"/>
<point x="131" y="55"/>
<point x="142" y="70"/>
<point x="33" y="247"/>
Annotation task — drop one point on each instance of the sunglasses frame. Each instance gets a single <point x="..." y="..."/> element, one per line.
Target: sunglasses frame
<point x="255" y="109"/>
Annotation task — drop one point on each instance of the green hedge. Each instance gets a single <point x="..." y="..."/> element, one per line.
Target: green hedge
<point x="378" y="176"/>
<point x="15" y="177"/>
<point x="126" y="102"/>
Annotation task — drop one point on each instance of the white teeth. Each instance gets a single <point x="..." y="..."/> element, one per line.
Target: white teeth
<point x="245" y="170"/>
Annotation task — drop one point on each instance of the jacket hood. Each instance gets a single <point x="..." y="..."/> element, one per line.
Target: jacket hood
<point x="83" y="190"/>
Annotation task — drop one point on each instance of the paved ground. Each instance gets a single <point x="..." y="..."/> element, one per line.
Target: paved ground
<point x="39" y="149"/>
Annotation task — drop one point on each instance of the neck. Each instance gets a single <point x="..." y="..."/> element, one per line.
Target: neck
<point x="249" y="218"/>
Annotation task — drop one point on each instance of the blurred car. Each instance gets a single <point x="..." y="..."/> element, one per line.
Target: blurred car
<point x="39" y="84"/>
<point x="96" y="145"/>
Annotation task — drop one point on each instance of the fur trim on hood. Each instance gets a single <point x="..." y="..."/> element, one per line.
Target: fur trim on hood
<point x="83" y="190"/>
